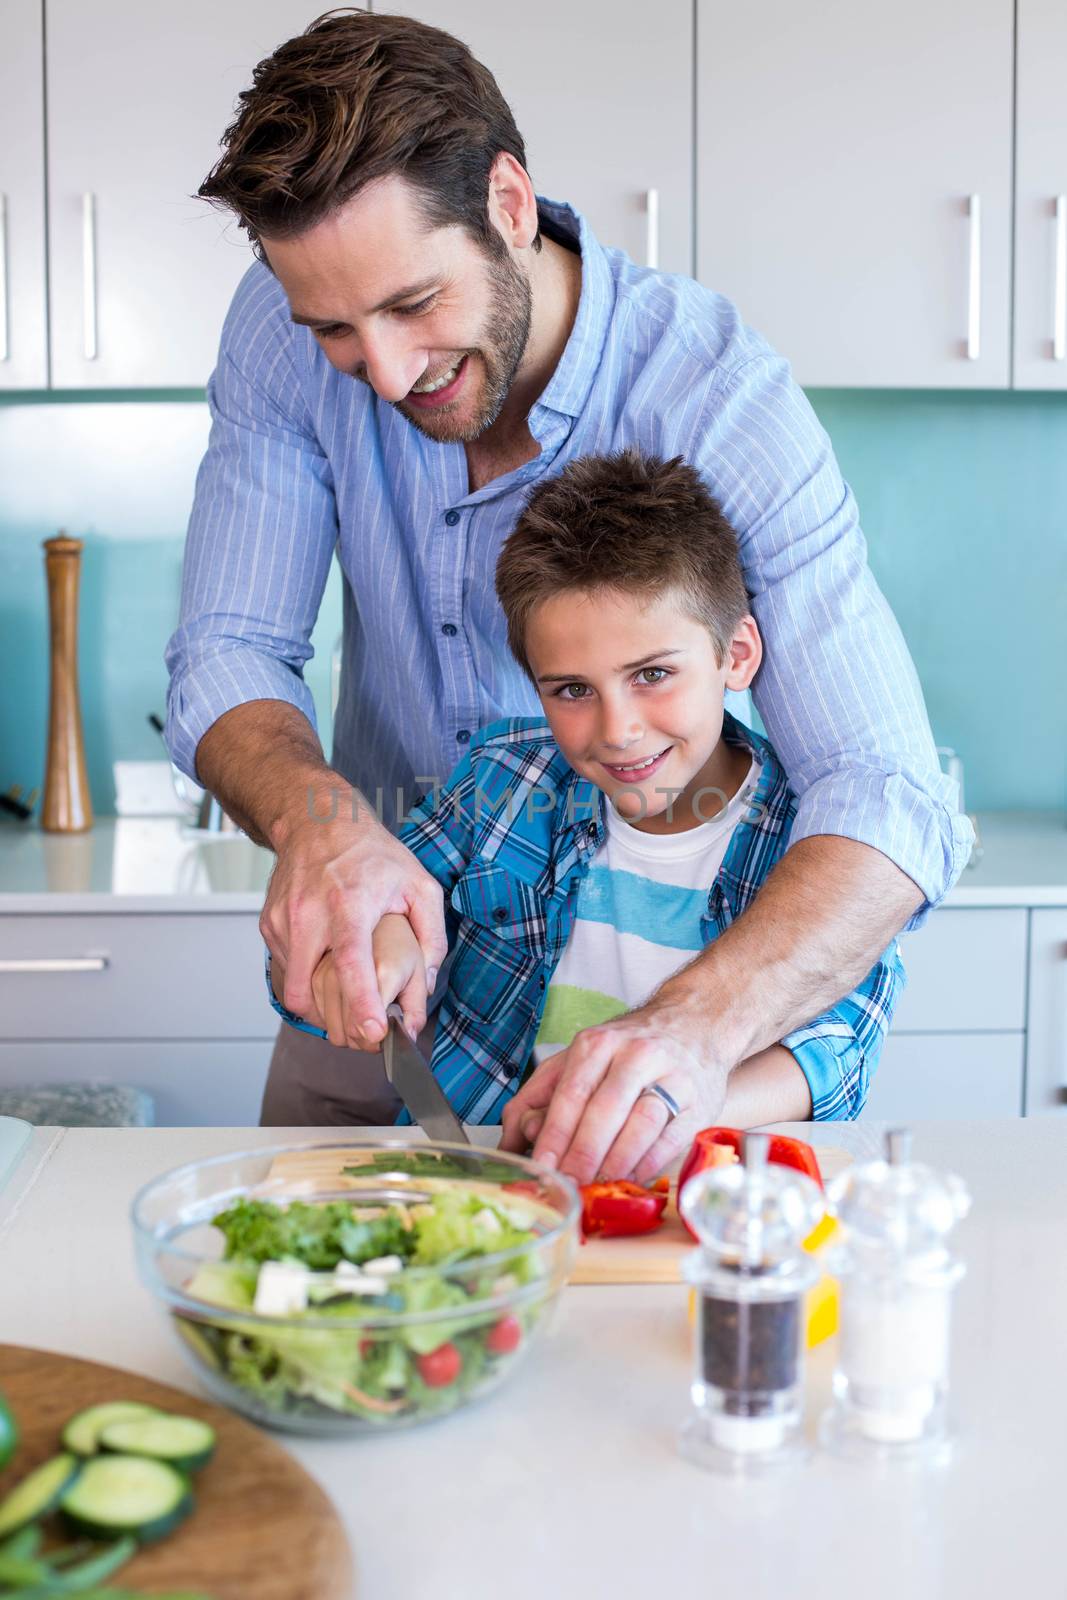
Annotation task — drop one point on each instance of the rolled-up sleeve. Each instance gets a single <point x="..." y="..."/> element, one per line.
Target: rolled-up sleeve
<point x="839" y="1051"/>
<point x="261" y="535"/>
<point x="837" y="689"/>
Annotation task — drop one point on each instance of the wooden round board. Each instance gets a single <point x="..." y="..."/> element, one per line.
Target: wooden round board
<point x="261" y="1526"/>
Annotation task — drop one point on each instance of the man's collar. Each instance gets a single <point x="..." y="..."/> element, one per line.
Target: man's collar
<point x="568" y="388"/>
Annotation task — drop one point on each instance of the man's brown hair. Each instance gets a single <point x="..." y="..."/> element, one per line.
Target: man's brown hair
<point x="353" y="99"/>
<point x="625" y="522"/>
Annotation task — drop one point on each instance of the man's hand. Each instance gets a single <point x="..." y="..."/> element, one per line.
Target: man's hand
<point x="584" y="1111"/>
<point x="399" y="972"/>
<point x="333" y="884"/>
<point x="820" y="921"/>
<point x="339" y="871"/>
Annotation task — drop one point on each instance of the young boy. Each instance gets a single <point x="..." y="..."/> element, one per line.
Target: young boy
<point x="586" y="856"/>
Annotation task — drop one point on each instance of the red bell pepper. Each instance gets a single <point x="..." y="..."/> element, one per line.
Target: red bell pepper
<point x="721" y="1147"/>
<point x="610" y="1210"/>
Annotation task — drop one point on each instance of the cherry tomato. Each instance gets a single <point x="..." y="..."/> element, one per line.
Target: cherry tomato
<point x="365" y="1347"/>
<point x="504" y="1336"/>
<point x="440" y="1367"/>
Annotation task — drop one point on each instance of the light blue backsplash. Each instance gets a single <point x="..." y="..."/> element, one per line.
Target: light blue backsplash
<point x="964" y="502"/>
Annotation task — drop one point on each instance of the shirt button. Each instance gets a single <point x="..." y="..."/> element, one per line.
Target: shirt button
<point x="463" y="736"/>
<point x="451" y="518"/>
<point x="500" y="913"/>
<point x="448" y="629"/>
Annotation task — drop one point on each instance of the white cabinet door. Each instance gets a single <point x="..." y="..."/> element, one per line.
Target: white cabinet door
<point x="138" y="98"/>
<point x="948" y="1075"/>
<point x="1041" y="196"/>
<point x="1046" y="1038"/>
<point x="23" y="318"/>
<point x="602" y="94"/>
<point x="966" y="972"/>
<point x="838" y="148"/>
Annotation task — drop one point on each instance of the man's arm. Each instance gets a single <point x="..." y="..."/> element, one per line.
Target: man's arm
<point x="240" y="718"/>
<point x="818" y="924"/>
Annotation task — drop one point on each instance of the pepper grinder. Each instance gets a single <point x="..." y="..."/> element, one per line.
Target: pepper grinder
<point x="750" y="1273"/>
<point x="897" y="1276"/>
<point x="66" y="807"/>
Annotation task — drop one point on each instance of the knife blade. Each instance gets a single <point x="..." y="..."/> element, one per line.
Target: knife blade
<point x="409" y="1072"/>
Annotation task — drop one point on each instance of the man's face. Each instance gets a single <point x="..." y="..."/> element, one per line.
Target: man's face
<point x="633" y="693"/>
<point x="428" y="318"/>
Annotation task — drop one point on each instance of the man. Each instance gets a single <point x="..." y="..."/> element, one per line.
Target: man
<point x="382" y="180"/>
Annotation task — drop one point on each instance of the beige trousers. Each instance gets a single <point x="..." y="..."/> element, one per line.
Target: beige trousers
<point x="312" y="1083"/>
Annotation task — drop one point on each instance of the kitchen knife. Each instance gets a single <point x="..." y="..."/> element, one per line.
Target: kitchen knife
<point x="409" y="1073"/>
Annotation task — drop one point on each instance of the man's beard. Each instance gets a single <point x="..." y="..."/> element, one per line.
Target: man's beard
<point x="503" y="344"/>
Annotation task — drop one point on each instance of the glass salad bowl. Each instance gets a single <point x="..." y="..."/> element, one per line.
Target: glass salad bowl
<point x="356" y="1286"/>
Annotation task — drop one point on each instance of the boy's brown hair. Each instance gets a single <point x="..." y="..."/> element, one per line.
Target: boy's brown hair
<point x="625" y="522"/>
<point x="353" y="99"/>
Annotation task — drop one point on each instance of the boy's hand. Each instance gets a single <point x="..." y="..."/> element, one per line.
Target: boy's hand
<point x="400" y="974"/>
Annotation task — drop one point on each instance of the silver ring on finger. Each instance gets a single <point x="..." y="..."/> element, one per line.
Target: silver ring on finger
<point x="673" y="1108"/>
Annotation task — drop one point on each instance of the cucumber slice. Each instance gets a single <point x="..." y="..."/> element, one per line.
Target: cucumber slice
<point x="37" y="1494"/>
<point x="82" y="1432"/>
<point x="181" y="1441"/>
<point x="116" y="1495"/>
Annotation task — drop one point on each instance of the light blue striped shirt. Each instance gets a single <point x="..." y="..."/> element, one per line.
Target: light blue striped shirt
<point x="303" y="461"/>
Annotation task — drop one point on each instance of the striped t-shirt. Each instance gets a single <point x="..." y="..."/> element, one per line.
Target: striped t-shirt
<point x="637" y="921"/>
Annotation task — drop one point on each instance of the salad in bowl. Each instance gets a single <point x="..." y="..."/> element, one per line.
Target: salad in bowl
<point x="351" y="1287"/>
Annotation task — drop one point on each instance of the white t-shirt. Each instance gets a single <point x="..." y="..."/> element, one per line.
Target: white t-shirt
<point x="637" y="919"/>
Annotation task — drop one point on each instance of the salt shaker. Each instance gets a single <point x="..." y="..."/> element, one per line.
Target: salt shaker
<point x="897" y="1275"/>
<point x="750" y="1275"/>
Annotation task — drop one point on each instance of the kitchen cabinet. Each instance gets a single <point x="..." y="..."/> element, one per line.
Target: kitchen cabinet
<point x="173" y="1003"/>
<point x="1046" y="1052"/>
<point x="854" y="177"/>
<point x="23" y="325"/>
<point x="605" y="106"/>
<point x="948" y="1075"/>
<point x="1041" y="196"/>
<point x="141" y="272"/>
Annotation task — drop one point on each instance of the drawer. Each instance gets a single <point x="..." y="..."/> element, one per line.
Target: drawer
<point x="966" y="969"/>
<point x="948" y="1075"/>
<point x="213" y="1083"/>
<point x="143" y="976"/>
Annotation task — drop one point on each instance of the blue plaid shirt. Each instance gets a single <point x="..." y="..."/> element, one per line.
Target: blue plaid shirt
<point x="509" y="839"/>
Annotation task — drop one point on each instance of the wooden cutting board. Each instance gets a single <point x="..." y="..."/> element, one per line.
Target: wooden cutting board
<point x="261" y="1526"/>
<point x="653" y="1258"/>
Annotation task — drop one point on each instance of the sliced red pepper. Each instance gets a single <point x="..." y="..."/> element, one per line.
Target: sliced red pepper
<point x="719" y="1147"/>
<point x="611" y="1210"/>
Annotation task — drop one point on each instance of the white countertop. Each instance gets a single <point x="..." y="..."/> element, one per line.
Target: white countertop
<point x="131" y="864"/>
<point x="161" y="864"/>
<point x="567" y="1483"/>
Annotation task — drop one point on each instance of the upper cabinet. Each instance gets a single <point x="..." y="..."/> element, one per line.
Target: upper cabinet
<point x="854" y="184"/>
<point x="604" y="101"/>
<point x="1041" y="196"/>
<point x="851" y="185"/>
<point x="23" y="326"/>
<point x="138" y="97"/>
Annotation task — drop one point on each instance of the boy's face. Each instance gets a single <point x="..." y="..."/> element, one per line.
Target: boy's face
<point x="633" y="692"/>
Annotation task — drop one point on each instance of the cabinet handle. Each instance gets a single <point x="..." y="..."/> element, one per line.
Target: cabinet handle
<point x="56" y="964"/>
<point x="974" y="278"/>
<point x="1059" y="281"/>
<point x="5" y="349"/>
<point x="651" y="227"/>
<point x="89" y="276"/>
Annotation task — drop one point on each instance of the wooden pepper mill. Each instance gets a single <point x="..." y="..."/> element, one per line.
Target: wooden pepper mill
<point x="66" y="807"/>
